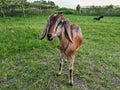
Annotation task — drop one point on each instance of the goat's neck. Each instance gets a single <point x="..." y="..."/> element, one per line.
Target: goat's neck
<point x="64" y="43"/>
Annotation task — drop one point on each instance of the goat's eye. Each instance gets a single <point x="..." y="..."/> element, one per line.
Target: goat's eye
<point x="59" y="23"/>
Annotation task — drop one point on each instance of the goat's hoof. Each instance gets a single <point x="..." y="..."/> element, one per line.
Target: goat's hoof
<point x="65" y="60"/>
<point x="71" y="83"/>
<point x="58" y="74"/>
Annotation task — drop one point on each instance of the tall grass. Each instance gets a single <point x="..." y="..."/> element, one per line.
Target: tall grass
<point x="27" y="63"/>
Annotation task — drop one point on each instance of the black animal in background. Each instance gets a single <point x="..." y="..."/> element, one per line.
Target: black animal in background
<point x="98" y="18"/>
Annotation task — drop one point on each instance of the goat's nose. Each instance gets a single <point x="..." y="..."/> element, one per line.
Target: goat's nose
<point x="49" y="36"/>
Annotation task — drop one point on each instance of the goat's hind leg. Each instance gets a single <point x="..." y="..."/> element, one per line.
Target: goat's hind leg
<point x="61" y="63"/>
<point x="71" y="69"/>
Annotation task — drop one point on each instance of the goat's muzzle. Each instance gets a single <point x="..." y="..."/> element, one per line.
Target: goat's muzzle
<point x="49" y="37"/>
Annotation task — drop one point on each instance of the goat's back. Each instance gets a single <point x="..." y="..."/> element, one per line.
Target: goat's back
<point x="76" y="36"/>
<point x="67" y="47"/>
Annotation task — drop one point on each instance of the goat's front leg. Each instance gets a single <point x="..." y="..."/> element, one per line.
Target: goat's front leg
<point x="71" y="69"/>
<point x="61" y="63"/>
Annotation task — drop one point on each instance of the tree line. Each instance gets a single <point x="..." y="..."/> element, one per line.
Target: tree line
<point x="109" y="10"/>
<point x="23" y="7"/>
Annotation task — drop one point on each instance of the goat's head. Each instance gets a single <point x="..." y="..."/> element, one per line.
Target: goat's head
<point x="54" y="26"/>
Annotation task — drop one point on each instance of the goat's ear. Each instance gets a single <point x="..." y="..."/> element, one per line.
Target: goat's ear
<point x="67" y="30"/>
<point x="45" y="30"/>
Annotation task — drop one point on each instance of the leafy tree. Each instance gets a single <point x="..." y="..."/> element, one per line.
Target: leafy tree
<point x="7" y="6"/>
<point x="11" y="6"/>
<point x="22" y="4"/>
<point x="3" y="4"/>
<point x="109" y="9"/>
<point x="51" y="3"/>
<point x="78" y="10"/>
<point x="43" y="2"/>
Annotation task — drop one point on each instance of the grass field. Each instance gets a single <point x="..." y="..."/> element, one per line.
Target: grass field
<point x="26" y="63"/>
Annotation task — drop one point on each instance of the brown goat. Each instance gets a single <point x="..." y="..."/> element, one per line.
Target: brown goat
<point x="70" y="37"/>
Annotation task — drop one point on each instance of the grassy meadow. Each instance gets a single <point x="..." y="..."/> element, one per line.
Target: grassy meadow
<point x="26" y="63"/>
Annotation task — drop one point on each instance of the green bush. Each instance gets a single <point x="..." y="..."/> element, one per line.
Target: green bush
<point x="65" y="11"/>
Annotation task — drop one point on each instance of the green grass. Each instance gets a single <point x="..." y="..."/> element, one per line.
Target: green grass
<point x="26" y="63"/>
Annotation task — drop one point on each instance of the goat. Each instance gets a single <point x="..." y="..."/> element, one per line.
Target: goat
<point x="98" y="18"/>
<point x="70" y="37"/>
